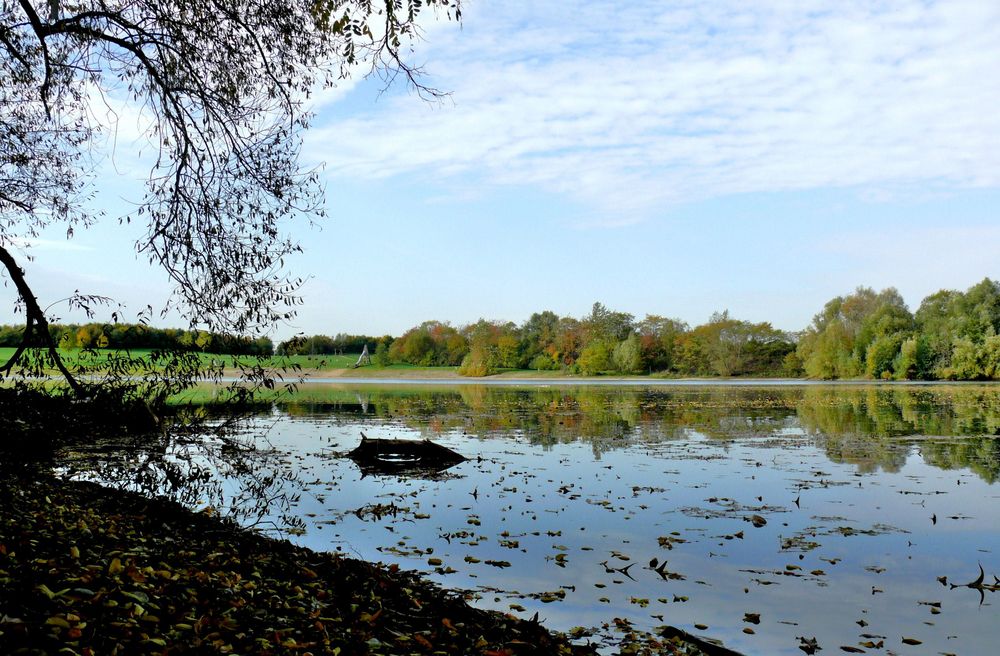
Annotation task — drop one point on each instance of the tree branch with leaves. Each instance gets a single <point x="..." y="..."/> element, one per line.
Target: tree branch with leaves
<point x="225" y="85"/>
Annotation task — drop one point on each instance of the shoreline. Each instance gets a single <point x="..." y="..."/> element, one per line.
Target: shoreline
<point x="447" y="376"/>
<point x="99" y="570"/>
<point x="92" y="568"/>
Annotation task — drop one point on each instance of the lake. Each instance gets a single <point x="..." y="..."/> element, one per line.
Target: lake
<point x="766" y="517"/>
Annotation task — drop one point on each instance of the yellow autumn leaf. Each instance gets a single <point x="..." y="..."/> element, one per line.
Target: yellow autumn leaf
<point x="57" y="621"/>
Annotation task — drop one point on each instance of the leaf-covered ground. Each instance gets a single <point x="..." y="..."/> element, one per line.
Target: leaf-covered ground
<point x="85" y="570"/>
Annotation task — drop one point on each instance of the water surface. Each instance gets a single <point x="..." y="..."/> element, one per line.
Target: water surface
<point x="842" y="514"/>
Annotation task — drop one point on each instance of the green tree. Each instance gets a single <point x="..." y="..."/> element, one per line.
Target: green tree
<point x="989" y="356"/>
<point x="965" y="361"/>
<point x="595" y="358"/>
<point x="627" y="356"/>
<point x="478" y="362"/>
<point x="432" y="343"/>
<point x="381" y="357"/>
<point x="836" y="344"/>
<point x="934" y="323"/>
<point x="881" y="355"/>
<point x="914" y="361"/>
<point x="950" y="319"/>
<point x="538" y="336"/>
<point x="605" y="324"/>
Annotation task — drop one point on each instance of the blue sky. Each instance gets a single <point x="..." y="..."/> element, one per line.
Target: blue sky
<point x="662" y="157"/>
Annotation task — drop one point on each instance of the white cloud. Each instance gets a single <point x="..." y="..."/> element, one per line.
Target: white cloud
<point x="630" y="106"/>
<point x="36" y="244"/>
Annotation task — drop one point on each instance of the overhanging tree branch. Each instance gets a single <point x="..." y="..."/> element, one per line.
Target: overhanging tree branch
<point x="224" y="83"/>
<point x="36" y="325"/>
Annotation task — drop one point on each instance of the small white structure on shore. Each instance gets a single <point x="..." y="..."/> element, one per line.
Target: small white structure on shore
<point x="364" y="358"/>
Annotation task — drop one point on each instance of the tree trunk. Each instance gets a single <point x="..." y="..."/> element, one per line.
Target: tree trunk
<point x="35" y="324"/>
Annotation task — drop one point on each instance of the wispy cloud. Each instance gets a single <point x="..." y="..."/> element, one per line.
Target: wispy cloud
<point x="50" y="245"/>
<point x="629" y="107"/>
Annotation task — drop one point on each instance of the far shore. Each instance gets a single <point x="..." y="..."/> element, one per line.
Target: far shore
<point x="450" y="376"/>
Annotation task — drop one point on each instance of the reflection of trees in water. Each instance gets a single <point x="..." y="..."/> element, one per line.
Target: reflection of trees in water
<point x="980" y="454"/>
<point x="866" y="426"/>
<point x="607" y="417"/>
<point x="869" y="426"/>
<point x="228" y="471"/>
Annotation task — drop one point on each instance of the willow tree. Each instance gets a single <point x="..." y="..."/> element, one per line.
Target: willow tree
<point x="225" y="84"/>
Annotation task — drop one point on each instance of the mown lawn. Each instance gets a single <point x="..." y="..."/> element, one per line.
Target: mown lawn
<point x="307" y="362"/>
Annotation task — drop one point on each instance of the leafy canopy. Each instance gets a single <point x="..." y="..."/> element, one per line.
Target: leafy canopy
<point x="224" y="84"/>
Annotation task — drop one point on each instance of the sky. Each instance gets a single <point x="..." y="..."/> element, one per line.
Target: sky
<point x="667" y="158"/>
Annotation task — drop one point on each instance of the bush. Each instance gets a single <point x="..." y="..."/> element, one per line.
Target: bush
<point x="476" y="364"/>
<point x="595" y="358"/>
<point x="791" y="365"/>
<point x="381" y="357"/>
<point x="881" y="354"/>
<point x="989" y="356"/>
<point x="627" y="356"/>
<point x="965" y="361"/>
<point x="542" y="362"/>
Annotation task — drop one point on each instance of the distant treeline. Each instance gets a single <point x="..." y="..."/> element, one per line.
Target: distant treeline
<point x="324" y="345"/>
<point x="952" y="336"/>
<point x="140" y="336"/>
<point x="866" y="334"/>
<point x="603" y="342"/>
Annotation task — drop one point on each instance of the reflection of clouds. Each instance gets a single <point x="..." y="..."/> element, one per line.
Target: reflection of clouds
<point x="543" y="495"/>
<point x="518" y="496"/>
<point x="627" y="108"/>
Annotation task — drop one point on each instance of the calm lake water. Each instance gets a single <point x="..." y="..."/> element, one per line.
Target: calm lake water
<point x="774" y="514"/>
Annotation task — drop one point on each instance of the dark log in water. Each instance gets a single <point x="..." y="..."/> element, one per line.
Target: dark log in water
<point x="393" y="456"/>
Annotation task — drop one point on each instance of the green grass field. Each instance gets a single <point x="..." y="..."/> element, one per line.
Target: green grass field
<point x="312" y="362"/>
<point x="307" y="362"/>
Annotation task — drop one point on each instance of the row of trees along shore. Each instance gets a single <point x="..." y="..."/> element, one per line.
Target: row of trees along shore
<point x="866" y="334"/>
<point x="141" y="336"/>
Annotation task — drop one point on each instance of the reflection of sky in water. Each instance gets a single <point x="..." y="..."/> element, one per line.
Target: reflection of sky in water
<point x="694" y="475"/>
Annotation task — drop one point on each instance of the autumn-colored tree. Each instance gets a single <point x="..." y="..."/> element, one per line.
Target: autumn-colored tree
<point x="569" y="340"/>
<point x="595" y="358"/>
<point x="432" y="343"/>
<point x="659" y="341"/>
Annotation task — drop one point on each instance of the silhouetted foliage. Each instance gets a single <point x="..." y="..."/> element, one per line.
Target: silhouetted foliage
<point x="223" y="86"/>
